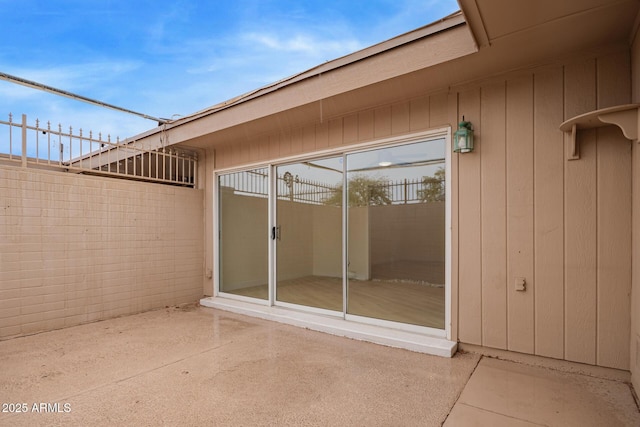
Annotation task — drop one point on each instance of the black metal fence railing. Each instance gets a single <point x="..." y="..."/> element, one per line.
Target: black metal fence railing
<point x="362" y="191"/>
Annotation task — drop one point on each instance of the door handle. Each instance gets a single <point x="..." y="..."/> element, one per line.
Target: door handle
<point x="275" y="233"/>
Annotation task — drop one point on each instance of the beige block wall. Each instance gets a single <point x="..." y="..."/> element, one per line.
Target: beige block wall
<point x="519" y="208"/>
<point x="75" y="249"/>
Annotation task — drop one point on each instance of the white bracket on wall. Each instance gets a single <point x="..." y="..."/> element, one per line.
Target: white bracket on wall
<point x="626" y="117"/>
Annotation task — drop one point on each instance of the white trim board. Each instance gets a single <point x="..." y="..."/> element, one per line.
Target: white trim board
<point x="337" y="326"/>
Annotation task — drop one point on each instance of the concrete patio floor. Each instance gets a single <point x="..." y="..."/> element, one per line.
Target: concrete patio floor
<point x="199" y="366"/>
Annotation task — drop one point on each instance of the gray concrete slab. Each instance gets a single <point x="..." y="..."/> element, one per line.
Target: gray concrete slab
<point x="198" y="366"/>
<point x="194" y="366"/>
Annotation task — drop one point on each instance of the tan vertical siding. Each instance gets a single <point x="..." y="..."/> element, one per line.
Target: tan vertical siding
<point x="634" y="364"/>
<point x="382" y="122"/>
<point x="613" y="88"/>
<point x="493" y="216"/>
<point x="580" y="221"/>
<point x="614" y="219"/>
<point x="308" y="139"/>
<point x="438" y="111"/>
<point x="350" y="135"/>
<point x="520" y="180"/>
<point x="469" y="220"/>
<point x="614" y="248"/>
<point x="548" y="160"/>
<point x="296" y="141"/>
<point x="322" y="136"/>
<point x="400" y="118"/>
<point x="419" y="114"/>
<point x="365" y="125"/>
<point x="452" y="113"/>
<point x="335" y="132"/>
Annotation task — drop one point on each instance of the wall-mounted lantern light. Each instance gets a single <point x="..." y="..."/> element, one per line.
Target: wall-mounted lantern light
<point x="463" y="137"/>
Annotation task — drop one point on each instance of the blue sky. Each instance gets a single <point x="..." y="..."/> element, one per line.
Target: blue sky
<point x="172" y="58"/>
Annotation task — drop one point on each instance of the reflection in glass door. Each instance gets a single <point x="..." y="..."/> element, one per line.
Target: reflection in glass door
<point x="308" y="233"/>
<point x="243" y="210"/>
<point x="396" y="233"/>
<point x="376" y="250"/>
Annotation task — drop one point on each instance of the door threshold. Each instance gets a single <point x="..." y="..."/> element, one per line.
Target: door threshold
<point x="420" y="343"/>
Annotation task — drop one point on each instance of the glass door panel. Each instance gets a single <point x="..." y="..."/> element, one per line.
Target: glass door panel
<point x="396" y="233"/>
<point x="243" y="208"/>
<point x="308" y="233"/>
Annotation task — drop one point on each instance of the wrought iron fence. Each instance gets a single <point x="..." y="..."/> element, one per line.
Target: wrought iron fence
<point x="48" y="146"/>
<point x="255" y="183"/>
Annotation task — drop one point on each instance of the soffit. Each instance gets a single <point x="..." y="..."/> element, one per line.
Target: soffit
<point x="492" y="20"/>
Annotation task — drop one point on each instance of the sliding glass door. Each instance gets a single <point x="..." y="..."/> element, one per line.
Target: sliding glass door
<point x="290" y="235"/>
<point x="308" y="233"/>
<point x="243" y="221"/>
<point x="396" y="239"/>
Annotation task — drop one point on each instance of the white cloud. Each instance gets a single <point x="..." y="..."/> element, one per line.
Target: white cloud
<point x="304" y="43"/>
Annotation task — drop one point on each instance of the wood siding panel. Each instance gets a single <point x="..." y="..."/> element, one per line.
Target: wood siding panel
<point x="400" y="118"/>
<point x="452" y="112"/>
<point x="614" y="219"/>
<point x="274" y="146"/>
<point x="234" y="150"/>
<point x="520" y="214"/>
<point x="580" y="221"/>
<point x="254" y="150"/>
<point x="297" y="141"/>
<point x="263" y="143"/>
<point x="245" y="151"/>
<point x="223" y="158"/>
<point x="494" y="218"/>
<point x="580" y="253"/>
<point x="382" y="122"/>
<point x="548" y="159"/>
<point x="469" y="243"/>
<point x="309" y="139"/>
<point x="614" y="248"/>
<point x="438" y="111"/>
<point x="285" y="145"/>
<point x="335" y="132"/>
<point x="350" y="129"/>
<point x="419" y="119"/>
<point x="322" y="136"/>
<point x="365" y="125"/>
<point x="635" y="264"/>
<point x="613" y="90"/>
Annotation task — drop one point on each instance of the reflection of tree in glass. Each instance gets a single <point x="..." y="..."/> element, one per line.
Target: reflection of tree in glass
<point x="363" y="191"/>
<point x="433" y="187"/>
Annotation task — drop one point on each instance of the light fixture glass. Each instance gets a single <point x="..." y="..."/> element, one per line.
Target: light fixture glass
<point x="463" y="137"/>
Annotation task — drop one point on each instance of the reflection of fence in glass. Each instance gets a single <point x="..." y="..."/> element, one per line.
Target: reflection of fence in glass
<point x="253" y="183"/>
<point x="363" y="191"/>
<point x="300" y="190"/>
<point x="51" y="146"/>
